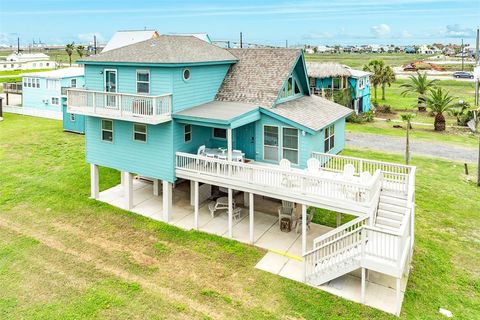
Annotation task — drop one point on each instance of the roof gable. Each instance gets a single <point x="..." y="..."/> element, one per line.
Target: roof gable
<point x="296" y="84"/>
<point x="258" y="76"/>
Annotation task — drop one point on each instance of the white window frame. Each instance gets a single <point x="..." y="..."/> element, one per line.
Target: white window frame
<point x="298" y="145"/>
<point x="361" y="83"/>
<point x="102" y="130"/>
<point x="219" y="138"/>
<point x="189" y="74"/>
<point x="278" y="142"/>
<point x="141" y="81"/>
<point x="37" y="80"/>
<point x="72" y="81"/>
<point x="330" y="128"/>
<point x="187" y="132"/>
<point x="143" y="133"/>
<point x="55" y="104"/>
<point x="72" y="117"/>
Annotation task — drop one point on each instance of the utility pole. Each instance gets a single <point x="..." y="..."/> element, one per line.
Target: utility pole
<point x="95" y="43"/>
<point x="241" y="40"/>
<point x="477" y="67"/>
<point x="286" y="43"/>
<point x="461" y="52"/>
<point x="18" y="45"/>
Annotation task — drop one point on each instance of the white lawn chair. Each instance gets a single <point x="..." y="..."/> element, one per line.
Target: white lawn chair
<point x="313" y="166"/>
<point x="348" y="171"/>
<point x="365" y="177"/>
<point x="201" y="150"/>
<point x="285" y="164"/>
<point x="237" y="155"/>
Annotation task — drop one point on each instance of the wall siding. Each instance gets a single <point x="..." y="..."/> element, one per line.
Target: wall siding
<point x="154" y="159"/>
<point x="34" y="97"/>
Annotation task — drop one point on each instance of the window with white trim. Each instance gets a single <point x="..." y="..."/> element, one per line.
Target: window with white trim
<point x="38" y="82"/>
<point x="73" y="83"/>
<point x="25" y="81"/>
<point x="329" y="138"/>
<point x="290" y="144"/>
<point x="270" y="143"/>
<point x="140" y="132"/>
<point x="186" y="74"/>
<point x="143" y="81"/>
<point x="72" y="117"/>
<point x="187" y="133"/>
<point x="107" y="130"/>
<point x="55" y="101"/>
<point x="220" y="133"/>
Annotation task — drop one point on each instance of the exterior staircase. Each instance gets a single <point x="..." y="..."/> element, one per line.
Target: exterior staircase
<point x="342" y="250"/>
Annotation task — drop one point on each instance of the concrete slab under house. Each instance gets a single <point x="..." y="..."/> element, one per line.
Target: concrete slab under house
<point x="233" y="142"/>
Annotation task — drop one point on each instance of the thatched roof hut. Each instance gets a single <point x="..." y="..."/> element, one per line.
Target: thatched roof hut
<point x="331" y="69"/>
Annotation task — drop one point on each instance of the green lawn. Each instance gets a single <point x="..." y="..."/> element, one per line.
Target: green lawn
<point x="64" y="256"/>
<point x="453" y="136"/>
<point x="17" y="72"/>
<point x="358" y="60"/>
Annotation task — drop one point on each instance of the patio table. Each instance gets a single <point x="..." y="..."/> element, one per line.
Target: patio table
<point x="220" y="153"/>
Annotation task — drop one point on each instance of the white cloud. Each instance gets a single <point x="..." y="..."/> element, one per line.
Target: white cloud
<point x="88" y="37"/>
<point x="380" y="31"/>
<point x="456" y="31"/>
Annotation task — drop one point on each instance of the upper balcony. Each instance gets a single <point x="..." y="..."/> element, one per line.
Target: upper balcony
<point x="120" y="106"/>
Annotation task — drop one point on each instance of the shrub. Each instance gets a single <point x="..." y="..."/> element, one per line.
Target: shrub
<point x="362" y="118"/>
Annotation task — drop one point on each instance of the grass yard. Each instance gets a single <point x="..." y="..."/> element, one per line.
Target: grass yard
<point x="358" y="60"/>
<point x="64" y="256"/>
<point x="426" y="133"/>
<point x="17" y="72"/>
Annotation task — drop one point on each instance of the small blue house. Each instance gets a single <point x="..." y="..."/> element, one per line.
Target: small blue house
<point x="329" y="79"/>
<point x="44" y="95"/>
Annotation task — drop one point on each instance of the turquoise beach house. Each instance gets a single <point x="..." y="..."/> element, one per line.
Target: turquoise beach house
<point x="328" y="79"/>
<point x="196" y="130"/>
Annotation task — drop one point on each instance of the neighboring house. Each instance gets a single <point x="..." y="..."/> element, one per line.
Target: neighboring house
<point x="26" y="61"/>
<point x="424" y="49"/>
<point x="43" y="94"/>
<point x="326" y="79"/>
<point x="410" y="50"/>
<point x="177" y="109"/>
<point x="127" y="37"/>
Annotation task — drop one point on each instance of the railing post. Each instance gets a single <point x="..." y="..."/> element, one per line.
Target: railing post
<point x="119" y="104"/>
<point x="155" y="111"/>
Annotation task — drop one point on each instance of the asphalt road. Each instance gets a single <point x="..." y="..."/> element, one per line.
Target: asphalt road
<point x="417" y="147"/>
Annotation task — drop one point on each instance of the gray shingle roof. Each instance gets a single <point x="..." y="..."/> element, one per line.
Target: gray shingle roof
<point x="258" y="76"/>
<point x="165" y="49"/>
<point x="218" y="110"/>
<point x="312" y="112"/>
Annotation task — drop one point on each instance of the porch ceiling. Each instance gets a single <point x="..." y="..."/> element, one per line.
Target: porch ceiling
<point x="220" y="113"/>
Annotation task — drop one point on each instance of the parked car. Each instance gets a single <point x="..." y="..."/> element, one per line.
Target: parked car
<point x="462" y="74"/>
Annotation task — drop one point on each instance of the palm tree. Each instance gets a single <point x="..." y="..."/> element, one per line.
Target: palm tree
<point x="70" y="48"/>
<point x="376" y="68"/>
<point x="387" y="77"/>
<point x="81" y="50"/>
<point x="419" y="85"/>
<point x="407" y="117"/>
<point x="439" y="102"/>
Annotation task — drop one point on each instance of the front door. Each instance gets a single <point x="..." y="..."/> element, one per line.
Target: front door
<point x="110" y="86"/>
<point x="245" y="140"/>
<point x="360" y="105"/>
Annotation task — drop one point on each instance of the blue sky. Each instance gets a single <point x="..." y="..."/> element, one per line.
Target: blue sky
<point x="272" y="22"/>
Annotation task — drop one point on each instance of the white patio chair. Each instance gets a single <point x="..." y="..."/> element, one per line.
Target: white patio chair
<point x="237" y="155"/>
<point x="285" y="164"/>
<point x="201" y="150"/>
<point x="348" y="171"/>
<point x="313" y="166"/>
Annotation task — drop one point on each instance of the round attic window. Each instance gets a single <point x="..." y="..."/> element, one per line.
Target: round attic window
<point x="186" y="74"/>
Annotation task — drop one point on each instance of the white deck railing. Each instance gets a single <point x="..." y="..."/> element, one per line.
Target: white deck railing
<point x="121" y="106"/>
<point x="292" y="183"/>
<point x="396" y="176"/>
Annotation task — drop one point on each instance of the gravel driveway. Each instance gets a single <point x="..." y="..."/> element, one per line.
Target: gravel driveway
<point x="417" y="147"/>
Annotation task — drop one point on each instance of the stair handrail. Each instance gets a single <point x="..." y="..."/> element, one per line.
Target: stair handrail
<point x="338" y="230"/>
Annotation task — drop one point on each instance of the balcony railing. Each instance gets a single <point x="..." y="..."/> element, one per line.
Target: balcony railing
<point x="295" y="184"/>
<point x="12" y="87"/>
<point x="121" y="106"/>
